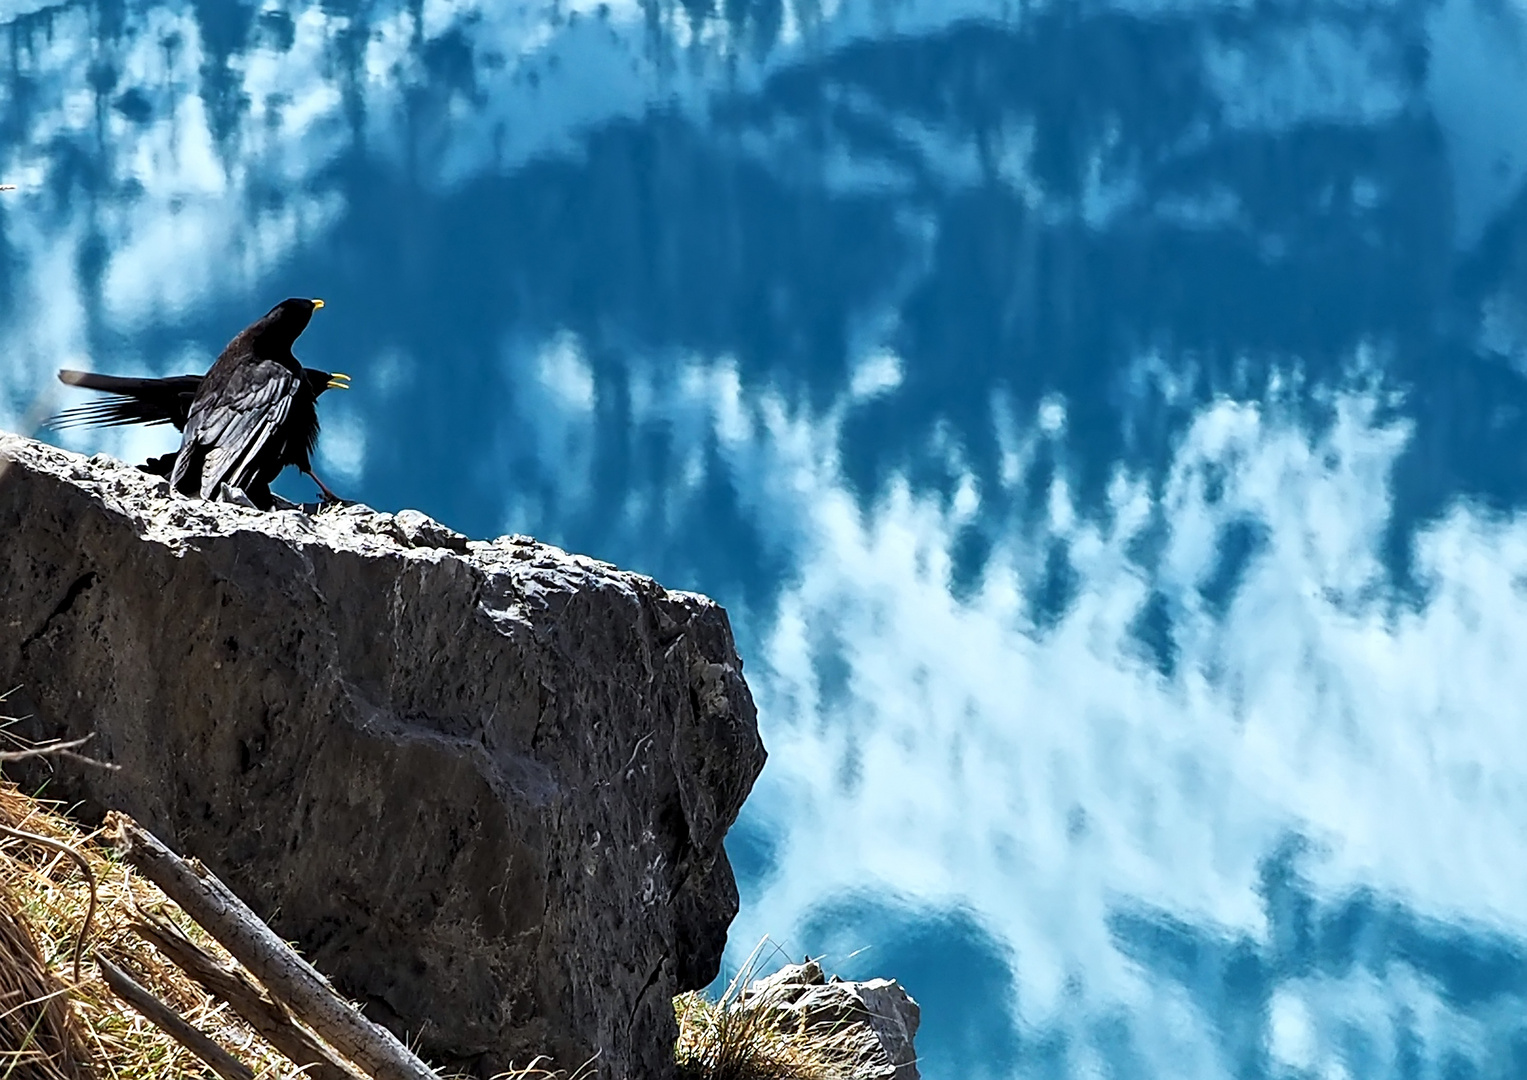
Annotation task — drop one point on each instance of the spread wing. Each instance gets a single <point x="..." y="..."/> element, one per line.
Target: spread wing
<point x="232" y="421"/>
<point x="133" y="400"/>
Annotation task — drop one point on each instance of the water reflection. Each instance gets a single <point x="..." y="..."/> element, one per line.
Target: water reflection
<point x="1311" y="976"/>
<point x="1104" y="425"/>
<point x="960" y="200"/>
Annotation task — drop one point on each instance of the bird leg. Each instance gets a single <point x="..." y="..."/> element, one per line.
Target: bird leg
<point x="329" y="497"/>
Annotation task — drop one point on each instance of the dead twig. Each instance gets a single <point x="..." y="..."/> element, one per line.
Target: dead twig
<point x="43" y="750"/>
<point x="57" y="749"/>
<point x="167" y="1020"/>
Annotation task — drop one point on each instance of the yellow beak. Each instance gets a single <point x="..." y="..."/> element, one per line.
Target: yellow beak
<point x="338" y="381"/>
<point x="317" y="304"/>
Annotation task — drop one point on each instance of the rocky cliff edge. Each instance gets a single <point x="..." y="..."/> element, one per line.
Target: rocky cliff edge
<point x="483" y="785"/>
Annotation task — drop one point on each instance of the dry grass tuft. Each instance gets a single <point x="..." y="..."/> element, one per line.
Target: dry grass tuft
<point x="40" y="1036"/>
<point x="727" y="1040"/>
<point x="718" y="1041"/>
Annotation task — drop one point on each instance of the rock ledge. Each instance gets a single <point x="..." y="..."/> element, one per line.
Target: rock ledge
<point x="484" y="785"/>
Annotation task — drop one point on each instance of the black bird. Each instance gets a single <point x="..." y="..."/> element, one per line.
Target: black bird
<point x="153" y="401"/>
<point x="149" y="402"/>
<point x="253" y="414"/>
<point x="249" y="417"/>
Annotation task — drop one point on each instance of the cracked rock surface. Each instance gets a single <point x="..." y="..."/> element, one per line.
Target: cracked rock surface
<point x="483" y="785"/>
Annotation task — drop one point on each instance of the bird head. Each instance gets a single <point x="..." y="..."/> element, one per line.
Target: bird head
<point x="319" y="381"/>
<point x="283" y="323"/>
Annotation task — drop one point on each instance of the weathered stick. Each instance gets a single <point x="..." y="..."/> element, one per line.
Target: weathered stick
<point x="234" y="988"/>
<point x="43" y="750"/>
<point x="289" y="978"/>
<point x="167" y="1020"/>
<point x="58" y="749"/>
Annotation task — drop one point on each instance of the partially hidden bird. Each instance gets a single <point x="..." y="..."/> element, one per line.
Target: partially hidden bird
<point x="249" y="417"/>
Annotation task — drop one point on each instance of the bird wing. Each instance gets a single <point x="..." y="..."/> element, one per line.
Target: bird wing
<point x="133" y="400"/>
<point x="233" y="420"/>
<point x="108" y="412"/>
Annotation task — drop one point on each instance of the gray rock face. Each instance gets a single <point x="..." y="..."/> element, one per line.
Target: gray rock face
<point x="483" y="785"/>
<point x="873" y="1022"/>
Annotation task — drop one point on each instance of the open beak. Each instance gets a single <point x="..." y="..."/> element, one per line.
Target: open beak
<point x="317" y="304"/>
<point x="338" y="381"/>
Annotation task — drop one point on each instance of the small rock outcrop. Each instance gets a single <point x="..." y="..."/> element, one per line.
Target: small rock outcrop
<point x="483" y="785"/>
<point x="871" y="1025"/>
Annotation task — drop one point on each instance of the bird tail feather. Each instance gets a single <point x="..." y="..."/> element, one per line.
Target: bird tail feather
<point x="112" y="384"/>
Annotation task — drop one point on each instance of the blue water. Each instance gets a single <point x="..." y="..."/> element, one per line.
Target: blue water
<point x="1106" y="425"/>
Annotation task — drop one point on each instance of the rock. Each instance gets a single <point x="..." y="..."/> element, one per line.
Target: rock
<point x="418" y="531"/>
<point x="874" y="1022"/>
<point x="483" y="786"/>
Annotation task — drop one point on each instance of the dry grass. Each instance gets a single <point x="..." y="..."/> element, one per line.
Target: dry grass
<point x="40" y="1038"/>
<point x="718" y="1041"/>
<point x="52" y="1028"/>
<point x="50" y="897"/>
<point x="727" y="1040"/>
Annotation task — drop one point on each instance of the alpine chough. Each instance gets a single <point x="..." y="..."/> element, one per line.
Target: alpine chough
<point x="151" y="402"/>
<point x="254" y="413"/>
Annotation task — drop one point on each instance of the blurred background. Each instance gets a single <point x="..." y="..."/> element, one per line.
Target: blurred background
<point x="1104" y="423"/>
